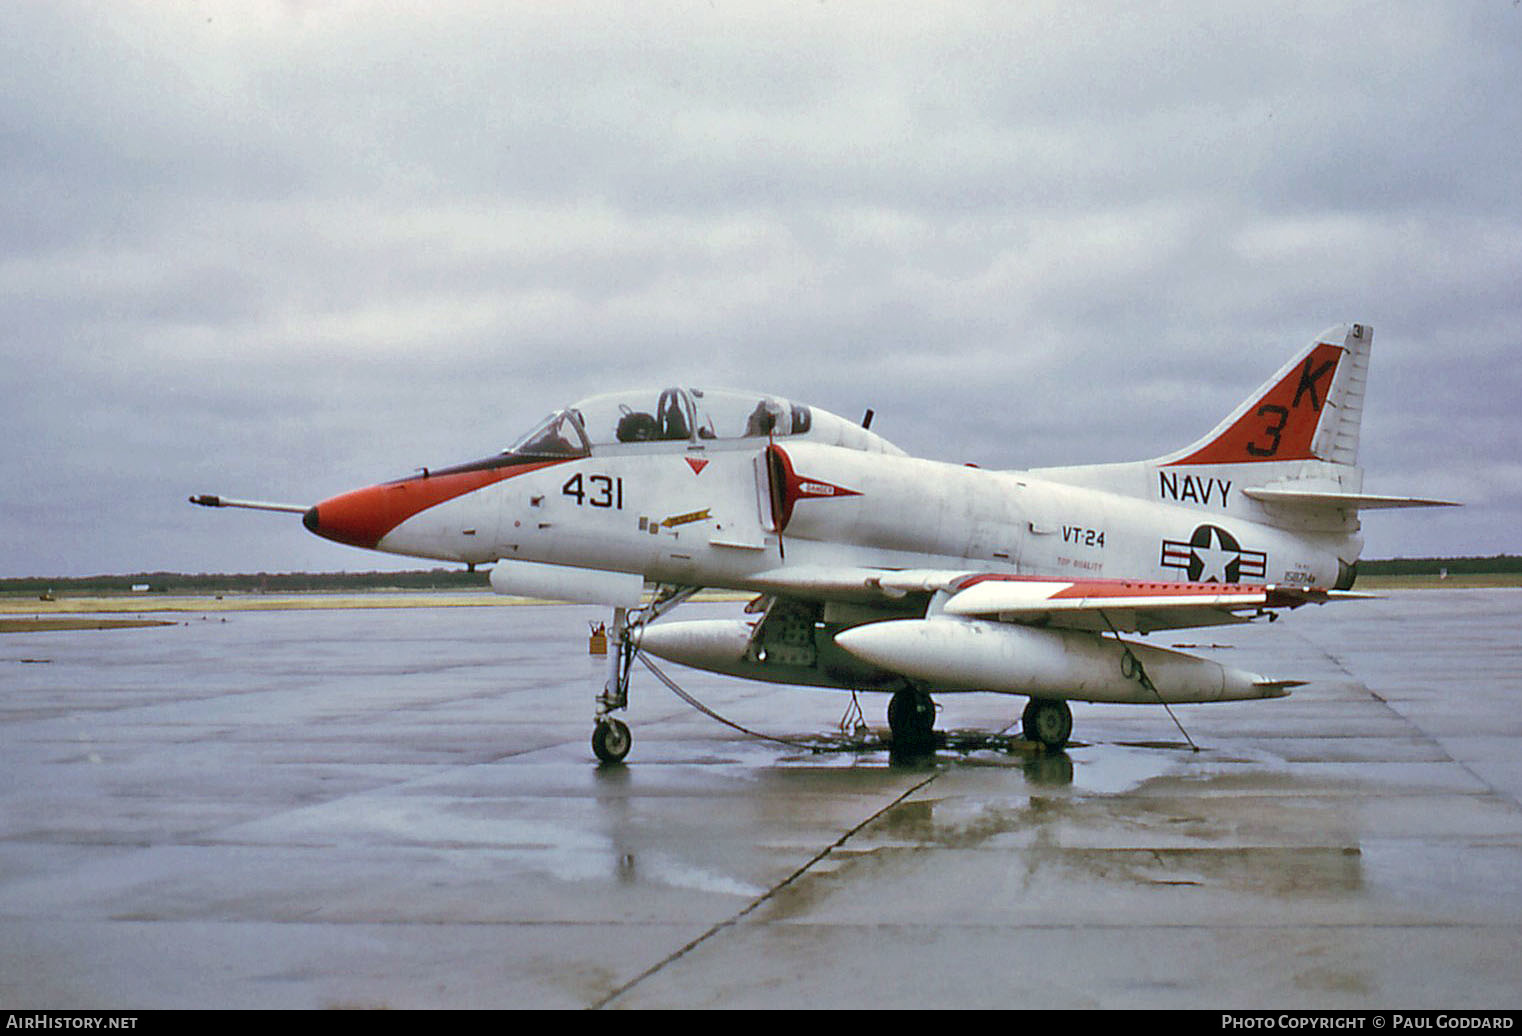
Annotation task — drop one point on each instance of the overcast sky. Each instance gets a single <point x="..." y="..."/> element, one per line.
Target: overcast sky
<point x="280" y="250"/>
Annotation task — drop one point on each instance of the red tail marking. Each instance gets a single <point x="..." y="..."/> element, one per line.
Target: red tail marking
<point x="1282" y="422"/>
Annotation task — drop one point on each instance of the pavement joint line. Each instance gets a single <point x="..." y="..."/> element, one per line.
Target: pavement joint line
<point x="766" y="896"/>
<point x="1490" y="789"/>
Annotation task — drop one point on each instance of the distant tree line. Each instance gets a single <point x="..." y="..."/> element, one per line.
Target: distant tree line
<point x="464" y="579"/>
<point x="1500" y="563"/>
<point x="257" y="582"/>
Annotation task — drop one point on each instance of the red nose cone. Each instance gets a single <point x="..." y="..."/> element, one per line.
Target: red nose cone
<point x="360" y="518"/>
<point x="363" y="517"/>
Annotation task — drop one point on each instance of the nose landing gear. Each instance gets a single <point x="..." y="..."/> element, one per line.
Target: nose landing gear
<point x="611" y="739"/>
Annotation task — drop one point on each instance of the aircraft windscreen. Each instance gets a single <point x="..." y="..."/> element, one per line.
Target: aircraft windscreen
<point x="555" y="436"/>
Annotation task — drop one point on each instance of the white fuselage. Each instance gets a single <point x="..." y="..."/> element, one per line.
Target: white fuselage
<point x="718" y="515"/>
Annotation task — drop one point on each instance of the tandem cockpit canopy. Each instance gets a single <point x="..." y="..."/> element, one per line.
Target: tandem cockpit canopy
<point x="663" y="415"/>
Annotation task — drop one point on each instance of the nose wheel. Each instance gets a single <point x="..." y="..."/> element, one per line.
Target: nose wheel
<point x="611" y="740"/>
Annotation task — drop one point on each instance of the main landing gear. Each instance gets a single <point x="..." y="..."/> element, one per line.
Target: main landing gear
<point x="611" y="739"/>
<point x="911" y="720"/>
<point x="1048" y="721"/>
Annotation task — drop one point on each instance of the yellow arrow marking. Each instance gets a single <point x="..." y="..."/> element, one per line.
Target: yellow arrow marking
<point x="684" y="519"/>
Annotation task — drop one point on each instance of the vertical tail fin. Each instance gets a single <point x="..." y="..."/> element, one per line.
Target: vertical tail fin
<point x="1311" y="409"/>
<point x="1287" y="457"/>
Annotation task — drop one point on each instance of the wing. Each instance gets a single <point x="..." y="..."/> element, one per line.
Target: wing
<point x="1102" y="605"/>
<point x="1093" y="605"/>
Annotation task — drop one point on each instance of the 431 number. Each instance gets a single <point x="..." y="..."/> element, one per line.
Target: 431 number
<point x="595" y="490"/>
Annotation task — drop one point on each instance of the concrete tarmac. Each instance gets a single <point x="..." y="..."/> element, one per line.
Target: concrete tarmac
<point x="399" y="809"/>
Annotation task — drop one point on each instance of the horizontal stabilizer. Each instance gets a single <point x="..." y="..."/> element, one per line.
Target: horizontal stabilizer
<point x="1340" y="501"/>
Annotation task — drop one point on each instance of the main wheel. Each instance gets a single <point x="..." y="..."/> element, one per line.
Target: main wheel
<point x="611" y="740"/>
<point x="911" y="718"/>
<point x="1047" y="720"/>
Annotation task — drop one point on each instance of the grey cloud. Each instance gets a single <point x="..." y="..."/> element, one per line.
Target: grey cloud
<point x="285" y="249"/>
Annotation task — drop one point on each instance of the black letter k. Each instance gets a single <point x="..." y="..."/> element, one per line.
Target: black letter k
<point x="1308" y="379"/>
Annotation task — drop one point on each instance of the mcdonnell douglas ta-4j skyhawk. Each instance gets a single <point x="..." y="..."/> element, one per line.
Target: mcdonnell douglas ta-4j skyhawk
<point x="878" y="571"/>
